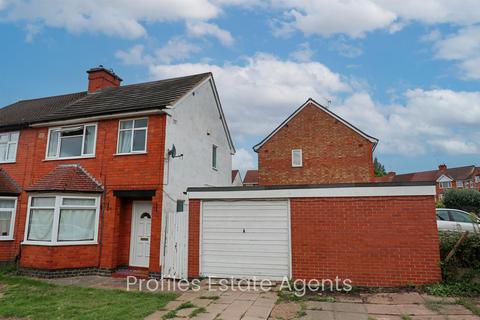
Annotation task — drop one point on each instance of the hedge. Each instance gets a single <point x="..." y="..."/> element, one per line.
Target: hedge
<point x="466" y="261"/>
<point x="463" y="199"/>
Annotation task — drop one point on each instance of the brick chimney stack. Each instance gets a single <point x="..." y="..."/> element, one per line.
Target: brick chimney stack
<point x="442" y="167"/>
<point x="100" y="78"/>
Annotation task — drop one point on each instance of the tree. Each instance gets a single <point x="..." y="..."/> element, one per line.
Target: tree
<point x="379" y="169"/>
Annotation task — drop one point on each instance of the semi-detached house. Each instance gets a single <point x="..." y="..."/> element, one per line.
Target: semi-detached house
<point x="95" y="181"/>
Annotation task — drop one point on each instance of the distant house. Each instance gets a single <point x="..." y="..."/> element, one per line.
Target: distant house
<point x="236" y="178"/>
<point x="251" y="178"/>
<point x="467" y="177"/>
<point x="315" y="146"/>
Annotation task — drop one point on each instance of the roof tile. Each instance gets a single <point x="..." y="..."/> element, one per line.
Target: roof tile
<point x="8" y="186"/>
<point x="68" y="177"/>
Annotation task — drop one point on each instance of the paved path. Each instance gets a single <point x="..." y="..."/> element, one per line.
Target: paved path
<point x="215" y="304"/>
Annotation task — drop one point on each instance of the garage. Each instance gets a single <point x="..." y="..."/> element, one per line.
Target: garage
<point x="245" y="239"/>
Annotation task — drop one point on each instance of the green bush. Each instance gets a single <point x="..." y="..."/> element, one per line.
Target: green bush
<point x="465" y="264"/>
<point x="463" y="199"/>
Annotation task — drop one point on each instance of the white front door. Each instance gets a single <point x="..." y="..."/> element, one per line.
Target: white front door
<point x="140" y="237"/>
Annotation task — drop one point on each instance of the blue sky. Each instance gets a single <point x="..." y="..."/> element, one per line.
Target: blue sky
<point x="406" y="72"/>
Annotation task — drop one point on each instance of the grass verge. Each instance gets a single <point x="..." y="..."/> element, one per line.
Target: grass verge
<point x="34" y="299"/>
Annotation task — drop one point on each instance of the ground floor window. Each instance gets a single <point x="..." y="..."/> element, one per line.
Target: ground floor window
<point x="62" y="219"/>
<point x="7" y="217"/>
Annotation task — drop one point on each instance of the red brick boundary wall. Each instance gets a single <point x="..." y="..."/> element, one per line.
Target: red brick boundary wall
<point x="373" y="241"/>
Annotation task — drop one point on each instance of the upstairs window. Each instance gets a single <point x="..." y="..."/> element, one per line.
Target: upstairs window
<point x="7" y="217"/>
<point x="132" y="136"/>
<point x="459" y="184"/>
<point x="180" y="205"/>
<point x="297" y="160"/>
<point x="477" y="179"/>
<point x="8" y="146"/>
<point x="445" y="185"/>
<point x="72" y="142"/>
<point x="214" y="156"/>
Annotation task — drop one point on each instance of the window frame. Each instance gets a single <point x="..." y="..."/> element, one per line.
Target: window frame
<point x="8" y="143"/>
<point x="81" y="156"/>
<point x="12" y="219"/>
<point x="56" y="219"/>
<point x="214" y="155"/>
<point x="477" y="179"/>
<point x="301" y="158"/>
<point x="117" y="150"/>
<point x="442" y="186"/>
<point x="460" y="184"/>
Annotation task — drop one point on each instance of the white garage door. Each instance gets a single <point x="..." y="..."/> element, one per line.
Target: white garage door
<point x="245" y="239"/>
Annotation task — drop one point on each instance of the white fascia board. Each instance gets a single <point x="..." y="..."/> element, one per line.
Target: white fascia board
<point x="97" y="118"/>
<point x="395" y="191"/>
<point x="444" y="178"/>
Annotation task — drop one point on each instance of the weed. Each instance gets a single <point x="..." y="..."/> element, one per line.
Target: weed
<point x="196" y="312"/>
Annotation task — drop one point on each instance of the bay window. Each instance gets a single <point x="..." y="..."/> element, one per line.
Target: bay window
<point x="7" y="217"/>
<point x="132" y="136"/>
<point x="72" y="142"/>
<point x="8" y="146"/>
<point x="62" y="219"/>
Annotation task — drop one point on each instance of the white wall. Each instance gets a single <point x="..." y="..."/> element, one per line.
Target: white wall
<point x="194" y="127"/>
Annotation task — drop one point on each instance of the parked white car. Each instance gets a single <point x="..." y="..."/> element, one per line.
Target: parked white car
<point x="455" y="220"/>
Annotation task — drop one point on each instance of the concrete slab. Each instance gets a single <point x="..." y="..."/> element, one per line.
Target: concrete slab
<point x="236" y="310"/>
<point x="318" y="305"/>
<point x="415" y="310"/>
<point x="349" y="307"/>
<point x="350" y="316"/>
<point x="384" y="309"/>
<point x="285" y="310"/>
<point x="318" y="315"/>
<point x="454" y="309"/>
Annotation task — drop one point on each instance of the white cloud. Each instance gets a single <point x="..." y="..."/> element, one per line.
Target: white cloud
<point x="243" y="160"/>
<point x="464" y="47"/>
<point x="122" y="18"/>
<point x="344" y="48"/>
<point x="357" y="17"/>
<point x="259" y="94"/>
<point x="304" y="53"/>
<point x="176" y="49"/>
<point x="202" y="29"/>
<point x="442" y="120"/>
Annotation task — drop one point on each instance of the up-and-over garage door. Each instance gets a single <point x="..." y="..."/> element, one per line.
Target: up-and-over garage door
<point x="245" y="239"/>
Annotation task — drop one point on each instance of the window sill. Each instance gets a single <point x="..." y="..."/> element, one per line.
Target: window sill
<point x="6" y="238"/>
<point x="68" y="158"/>
<point x="129" y="154"/>
<point x="60" y="244"/>
<point x="214" y="169"/>
<point x="5" y="162"/>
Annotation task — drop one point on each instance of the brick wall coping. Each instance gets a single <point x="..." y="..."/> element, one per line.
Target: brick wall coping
<point x="383" y="189"/>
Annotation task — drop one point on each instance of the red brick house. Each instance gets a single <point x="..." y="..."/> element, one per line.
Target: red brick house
<point x="315" y="146"/>
<point x="89" y="180"/>
<point x="467" y="177"/>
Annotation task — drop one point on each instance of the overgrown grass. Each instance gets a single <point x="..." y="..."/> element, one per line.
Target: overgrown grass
<point x="470" y="305"/>
<point x="196" y="312"/>
<point x="34" y="299"/>
<point x="454" y="289"/>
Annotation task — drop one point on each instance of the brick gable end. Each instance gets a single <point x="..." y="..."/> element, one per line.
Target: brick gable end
<point x="332" y="152"/>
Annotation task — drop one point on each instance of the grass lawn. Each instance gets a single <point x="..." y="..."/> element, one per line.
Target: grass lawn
<point x="24" y="297"/>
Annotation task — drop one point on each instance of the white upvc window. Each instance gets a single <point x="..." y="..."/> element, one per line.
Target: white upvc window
<point x="459" y="184"/>
<point x="8" y="208"/>
<point x="72" y="142"/>
<point x="477" y="179"/>
<point x="62" y="219"/>
<point x="445" y="185"/>
<point x="132" y="136"/>
<point x="8" y="146"/>
<point x="297" y="160"/>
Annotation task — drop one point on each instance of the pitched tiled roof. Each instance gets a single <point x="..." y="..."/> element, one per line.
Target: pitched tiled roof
<point x="234" y="174"/>
<point x="142" y="96"/>
<point x="8" y="186"/>
<point x="67" y="177"/>
<point x="25" y="112"/>
<point x="458" y="173"/>
<point x="251" y="177"/>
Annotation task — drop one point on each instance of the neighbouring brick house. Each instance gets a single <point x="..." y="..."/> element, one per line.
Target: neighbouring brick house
<point x="467" y="177"/>
<point x="251" y="178"/>
<point x="88" y="179"/>
<point x="315" y="146"/>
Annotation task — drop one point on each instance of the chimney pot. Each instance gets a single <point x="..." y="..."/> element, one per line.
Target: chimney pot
<point x="100" y="78"/>
<point x="442" y="167"/>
